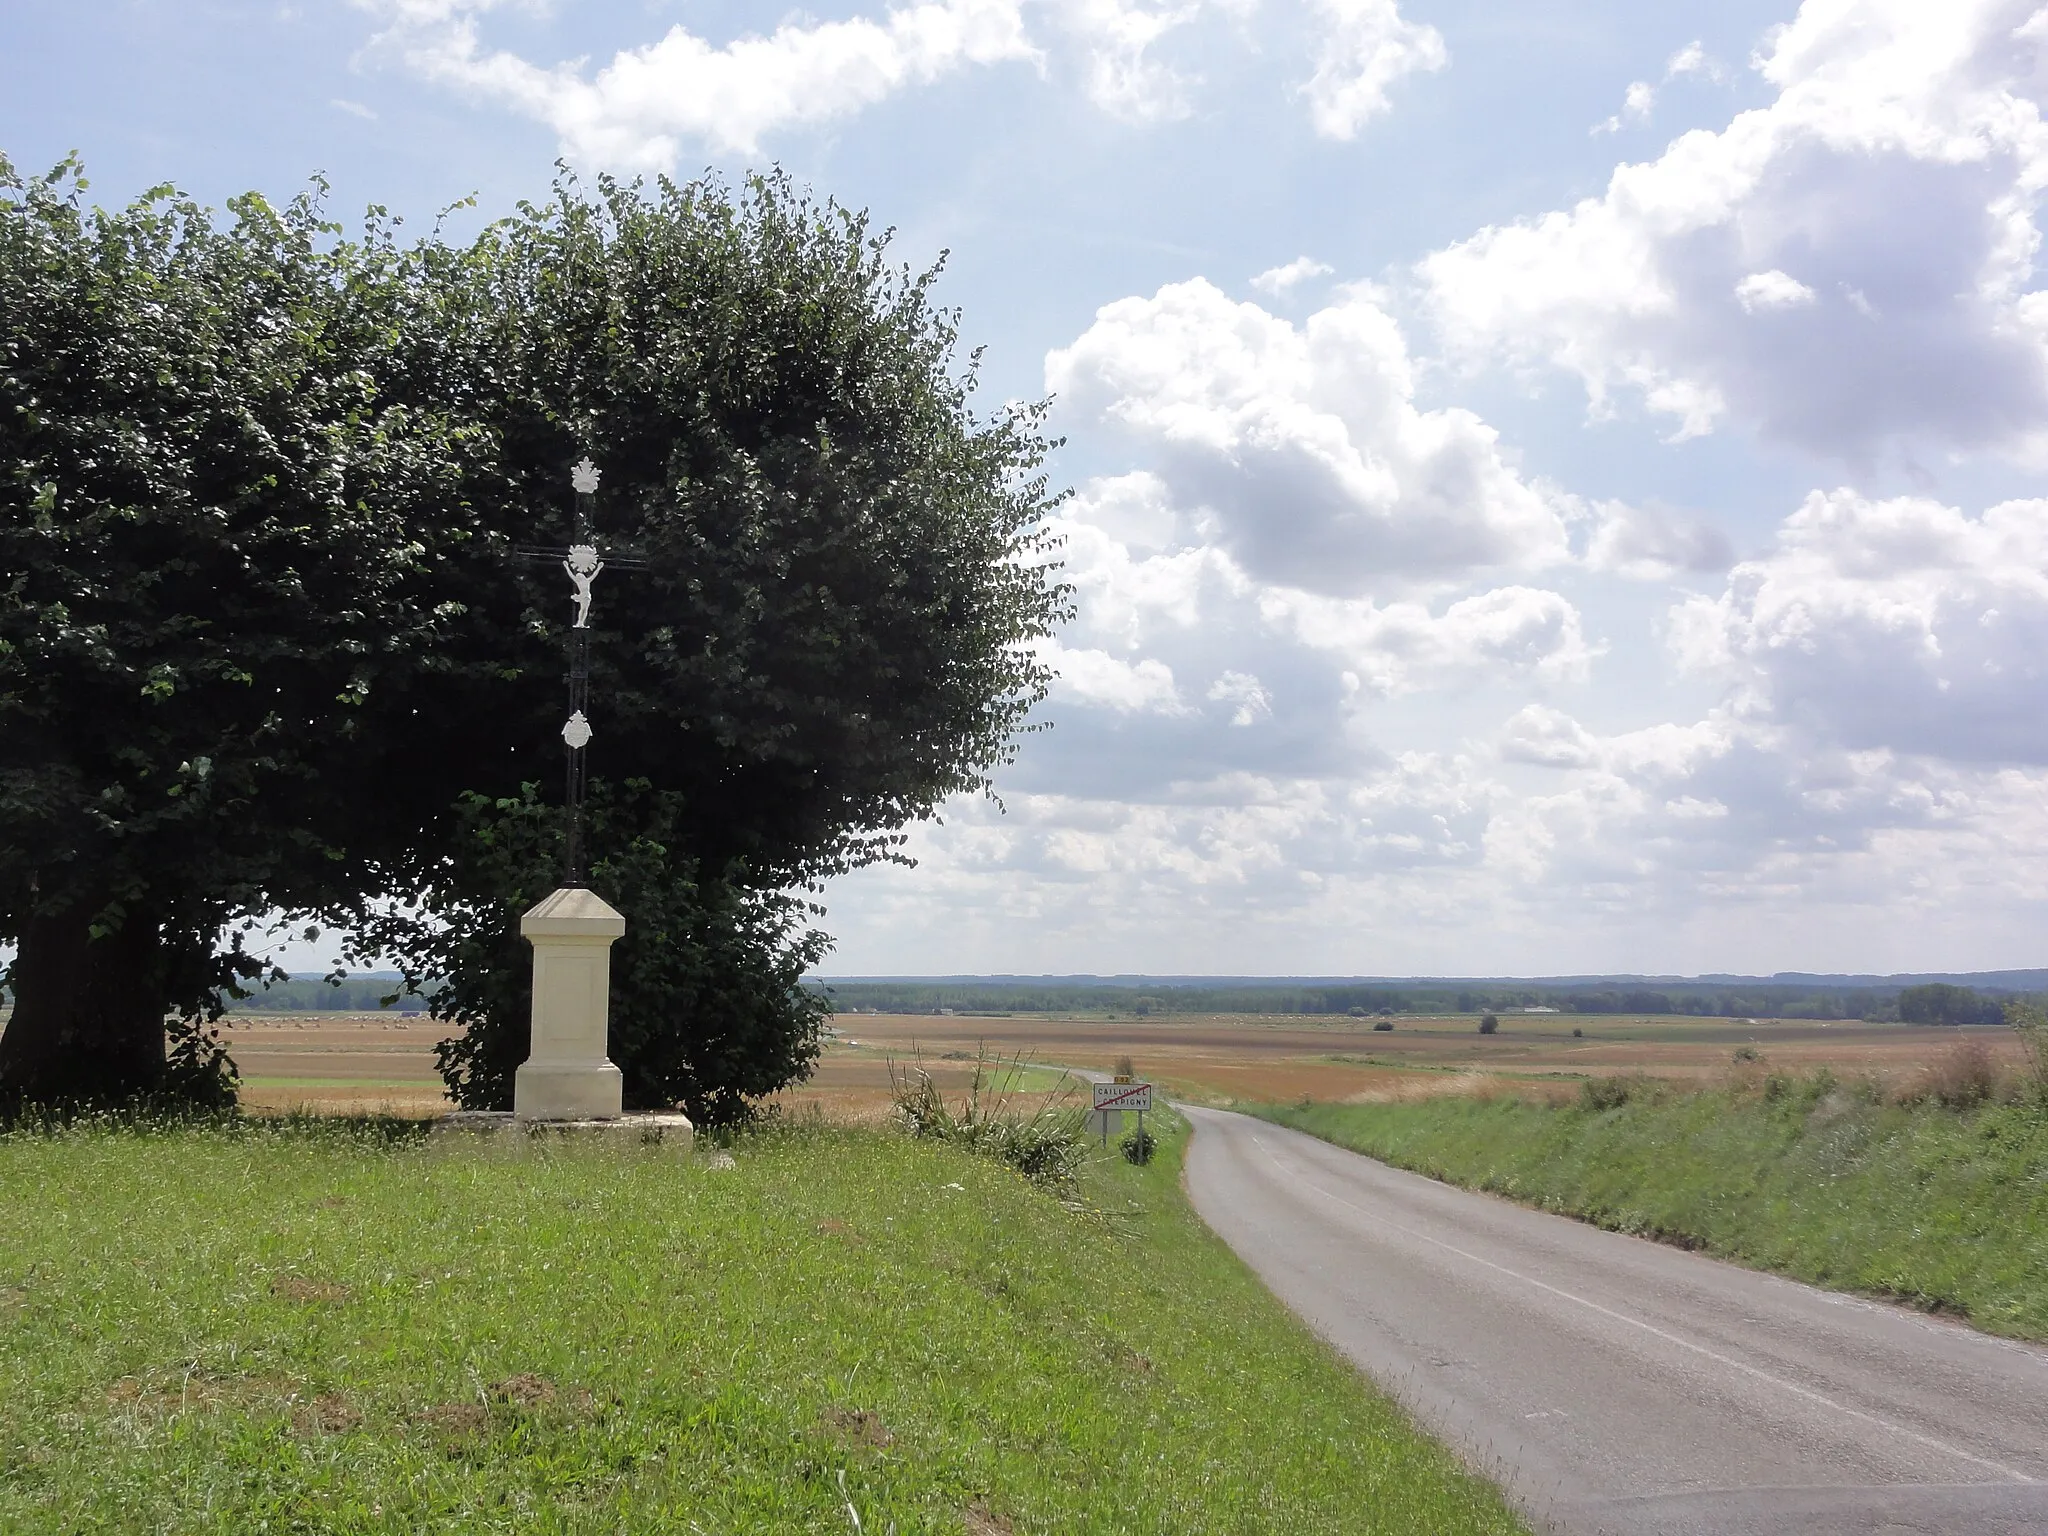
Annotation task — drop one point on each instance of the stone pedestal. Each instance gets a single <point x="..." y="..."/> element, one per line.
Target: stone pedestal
<point x="567" y="1075"/>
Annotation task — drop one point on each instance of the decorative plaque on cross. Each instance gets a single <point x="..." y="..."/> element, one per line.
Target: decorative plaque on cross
<point x="583" y="560"/>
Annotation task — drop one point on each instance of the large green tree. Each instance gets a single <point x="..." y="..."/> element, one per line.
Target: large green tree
<point x="206" y="563"/>
<point x="833" y="632"/>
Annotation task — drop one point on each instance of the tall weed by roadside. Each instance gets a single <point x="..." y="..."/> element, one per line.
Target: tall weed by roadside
<point x="1045" y="1142"/>
<point x="2030" y="1022"/>
<point x="1962" y="1077"/>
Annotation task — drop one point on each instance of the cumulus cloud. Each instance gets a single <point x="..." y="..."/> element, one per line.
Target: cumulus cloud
<point x="1885" y="719"/>
<point x="1847" y="268"/>
<point x="1366" y="46"/>
<point x="1098" y="678"/>
<point x="1897" y="624"/>
<point x="1117" y="38"/>
<point x="640" y="109"/>
<point x="1654" y="544"/>
<point x="1280" y="281"/>
<point x="1506" y="633"/>
<point x="1129" y="593"/>
<point x="1637" y="102"/>
<point x="1535" y="733"/>
<point x="637" y="110"/>
<point x="1226" y="856"/>
<point x="1300" y="450"/>
<point x="1640" y="99"/>
<point x="1246" y="696"/>
<point x="1692" y="59"/>
<point x="1771" y="290"/>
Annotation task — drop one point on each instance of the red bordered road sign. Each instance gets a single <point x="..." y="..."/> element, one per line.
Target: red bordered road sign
<point x="1123" y="1096"/>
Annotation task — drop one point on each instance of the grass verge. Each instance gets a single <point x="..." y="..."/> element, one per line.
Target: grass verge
<point x="321" y="1327"/>
<point x="1944" y="1209"/>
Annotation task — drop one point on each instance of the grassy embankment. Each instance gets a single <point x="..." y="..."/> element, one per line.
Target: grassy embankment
<point x="317" y="1328"/>
<point x="1944" y="1208"/>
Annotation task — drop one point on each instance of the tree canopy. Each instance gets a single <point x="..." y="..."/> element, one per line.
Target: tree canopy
<point x="262" y="645"/>
<point x="1937" y="1002"/>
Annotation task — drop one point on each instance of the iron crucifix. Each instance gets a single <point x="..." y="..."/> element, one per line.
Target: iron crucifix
<point x="583" y="561"/>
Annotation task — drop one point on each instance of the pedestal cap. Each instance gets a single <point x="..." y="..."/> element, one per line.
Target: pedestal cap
<point x="573" y="913"/>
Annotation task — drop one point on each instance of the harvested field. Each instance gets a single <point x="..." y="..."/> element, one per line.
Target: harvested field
<point x="338" y="1063"/>
<point x="350" y="1062"/>
<point x="1225" y="1059"/>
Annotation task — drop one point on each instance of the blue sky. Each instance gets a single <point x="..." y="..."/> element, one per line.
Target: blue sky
<point x="1553" y="482"/>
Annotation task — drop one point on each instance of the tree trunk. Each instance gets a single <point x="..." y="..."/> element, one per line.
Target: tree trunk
<point x="88" y="1018"/>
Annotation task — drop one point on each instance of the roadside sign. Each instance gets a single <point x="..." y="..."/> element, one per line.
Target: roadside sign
<point x="1136" y="1096"/>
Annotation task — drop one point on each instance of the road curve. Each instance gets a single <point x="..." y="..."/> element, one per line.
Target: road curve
<point x="1614" y="1385"/>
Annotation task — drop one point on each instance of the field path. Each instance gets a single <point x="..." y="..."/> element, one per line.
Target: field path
<point x="1615" y="1385"/>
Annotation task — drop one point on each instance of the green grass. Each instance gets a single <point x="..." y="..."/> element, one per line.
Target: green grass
<point x="308" y="1327"/>
<point x="1946" y="1210"/>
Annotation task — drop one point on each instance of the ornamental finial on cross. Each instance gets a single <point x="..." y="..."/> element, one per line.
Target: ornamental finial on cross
<point x="583" y="476"/>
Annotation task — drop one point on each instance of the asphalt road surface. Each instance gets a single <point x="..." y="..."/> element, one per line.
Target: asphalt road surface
<point x="1615" y="1385"/>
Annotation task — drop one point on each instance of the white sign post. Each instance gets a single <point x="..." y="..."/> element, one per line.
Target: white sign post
<point x="1118" y="1097"/>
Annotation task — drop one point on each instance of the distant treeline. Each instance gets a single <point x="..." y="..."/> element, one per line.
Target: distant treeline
<point x="1933" y="1003"/>
<point x="312" y="994"/>
<point x="1925" y="1003"/>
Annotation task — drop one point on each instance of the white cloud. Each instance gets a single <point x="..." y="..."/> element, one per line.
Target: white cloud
<point x="1367" y="45"/>
<point x="1299" y="450"/>
<point x="1135" y="510"/>
<point x="1129" y="592"/>
<point x="1097" y="678"/>
<point x="1897" y="172"/>
<point x="1640" y="99"/>
<point x="1510" y="633"/>
<point x="1895" y="625"/>
<point x="353" y="108"/>
<point x="1248" y="697"/>
<point x="1771" y="290"/>
<point x="1535" y="733"/>
<point x="1280" y="281"/>
<point x="1637" y="103"/>
<point x="1117" y="36"/>
<point x="1691" y="60"/>
<point x="637" y="110"/>
<point x="640" y="109"/>
<point x="1654" y="544"/>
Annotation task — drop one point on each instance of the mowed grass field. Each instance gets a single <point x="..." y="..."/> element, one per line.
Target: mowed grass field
<point x="382" y="1063"/>
<point x="326" y="1326"/>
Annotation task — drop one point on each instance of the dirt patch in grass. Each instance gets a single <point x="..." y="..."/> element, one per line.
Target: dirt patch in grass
<point x="328" y="1414"/>
<point x="857" y="1426"/>
<point x="300" y="1288"/>
<point x="525" y="1390"/>
<point x="201" y="1391"/>
<point x="454" y="1421"/>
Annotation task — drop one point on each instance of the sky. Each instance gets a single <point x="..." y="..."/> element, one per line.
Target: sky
<point x="1556" y="487"/>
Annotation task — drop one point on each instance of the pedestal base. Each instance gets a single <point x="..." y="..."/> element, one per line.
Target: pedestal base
<point x="548" y="1090"/>
<point x="666" y="1132"/>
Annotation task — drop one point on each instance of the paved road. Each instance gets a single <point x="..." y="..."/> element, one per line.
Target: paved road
<point x="1613" y="1385"/>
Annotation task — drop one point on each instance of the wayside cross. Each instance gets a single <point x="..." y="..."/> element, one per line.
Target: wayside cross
<point x="584" y="561"/>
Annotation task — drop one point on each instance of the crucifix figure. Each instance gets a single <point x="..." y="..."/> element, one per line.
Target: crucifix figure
<point x="583" y="562"/>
